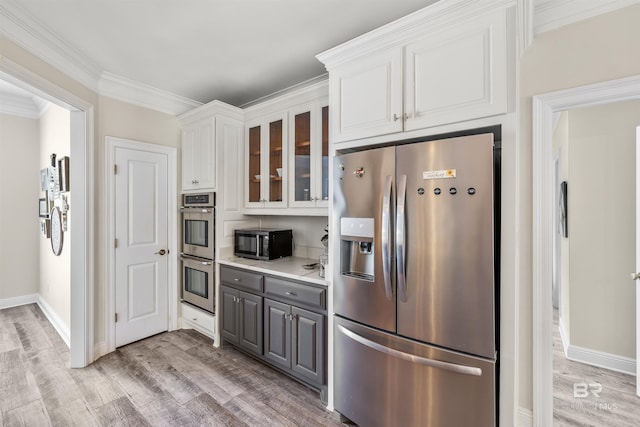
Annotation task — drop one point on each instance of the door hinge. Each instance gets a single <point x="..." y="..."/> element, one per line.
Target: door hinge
<point x="115" y="243"/>
<point x="116" y="317"/>
<point x="115" y="169"/>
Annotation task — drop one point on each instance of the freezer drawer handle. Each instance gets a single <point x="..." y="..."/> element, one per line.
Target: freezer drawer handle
<point x="386" y="225"/>
<point x="438" y="364"/>
<point x="401" y="237"/>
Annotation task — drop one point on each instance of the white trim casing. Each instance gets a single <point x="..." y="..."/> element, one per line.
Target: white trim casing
<point x="544" y="108"/>
<point x="83" y="219"/>
<point x="172" y="283"/>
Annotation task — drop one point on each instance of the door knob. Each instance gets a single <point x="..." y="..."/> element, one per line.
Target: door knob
<point x="635" y="276"/>
<point x="161" y="252"/>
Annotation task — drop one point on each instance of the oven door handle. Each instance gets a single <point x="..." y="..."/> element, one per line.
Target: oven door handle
<point x="197" y="209"/>
<point x="187" y="258"/>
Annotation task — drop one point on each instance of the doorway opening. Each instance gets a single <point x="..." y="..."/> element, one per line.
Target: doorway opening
<point x="546" y="108"/>
<point x="81" y="181"/>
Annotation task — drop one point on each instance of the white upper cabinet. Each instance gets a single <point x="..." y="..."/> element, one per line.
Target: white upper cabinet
<point x="457" y="74"/>
<point x="367" y="96"/>
<point x="309" y="156"/>
<point x="206" y="130"/>
<point x="199" y="156"/>
<point x="265" y="162"/>
<point x="286" y="164"/>
<point x="421" y="71"/>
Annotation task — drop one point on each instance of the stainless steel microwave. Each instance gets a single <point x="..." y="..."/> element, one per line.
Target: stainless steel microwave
<point x="263" y="243"/>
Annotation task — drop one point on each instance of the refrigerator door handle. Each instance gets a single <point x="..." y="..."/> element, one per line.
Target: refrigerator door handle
<point x="401" y="233"/>
<point x="385" y="232"/>
<point x="438" y="364"/>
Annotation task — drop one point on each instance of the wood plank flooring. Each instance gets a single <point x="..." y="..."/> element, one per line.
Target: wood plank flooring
<point x="616" y="404"/>
<point x="172" y="379"/>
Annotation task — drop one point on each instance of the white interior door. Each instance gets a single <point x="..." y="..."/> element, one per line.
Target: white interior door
<point x="141" y="255"/>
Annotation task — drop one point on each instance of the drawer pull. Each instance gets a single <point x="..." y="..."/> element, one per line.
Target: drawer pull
<point x="236" y="280"/>
<point x="293" y="294"/>
<point x="194" y="319"/>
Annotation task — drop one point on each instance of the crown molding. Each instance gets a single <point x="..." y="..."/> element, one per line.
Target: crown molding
<point x="435" y="17"/>
<point x="209" y="109"/>
<point x="552" y="14"/>
<point x="23" y="29"/>
<point x="16" y="105"/>
<point x="314" y="89"/>
<point x="130" y="91"/>
<point x="26" y="31"/>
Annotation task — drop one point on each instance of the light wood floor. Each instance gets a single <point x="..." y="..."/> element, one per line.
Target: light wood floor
<point x="616" y="404"/>
<point x="171" y="379"/>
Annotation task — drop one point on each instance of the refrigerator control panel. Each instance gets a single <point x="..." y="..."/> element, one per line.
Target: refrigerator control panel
<point x="357" y="227"/>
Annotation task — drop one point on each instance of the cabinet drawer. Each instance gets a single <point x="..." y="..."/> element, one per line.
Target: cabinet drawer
<point x="241" y="279"/>
<point x="198" y="319"/>
<point x="295" y="292"/>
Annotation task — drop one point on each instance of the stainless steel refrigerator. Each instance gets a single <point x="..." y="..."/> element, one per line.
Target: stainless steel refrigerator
<point x="416" y="284"/>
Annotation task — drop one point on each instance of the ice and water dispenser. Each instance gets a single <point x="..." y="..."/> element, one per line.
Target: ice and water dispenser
<point x="356" y="248"/>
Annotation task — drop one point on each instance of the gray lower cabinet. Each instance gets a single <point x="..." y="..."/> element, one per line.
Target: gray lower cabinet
<point x="242" y="319"/>
<point x="294" y="340"/>
<point x="281" y="320"/>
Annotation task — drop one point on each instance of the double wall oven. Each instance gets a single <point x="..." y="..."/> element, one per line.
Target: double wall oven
<point x="198" y="250"/>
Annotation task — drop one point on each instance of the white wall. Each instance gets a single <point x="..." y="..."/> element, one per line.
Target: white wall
<point x="602" y="226"/>
<point x="596" y="50"/>
<point x="19" y="193"/>
<point x="55" y="271"/>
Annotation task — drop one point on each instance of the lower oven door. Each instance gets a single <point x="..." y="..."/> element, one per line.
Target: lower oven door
<point x="197" y="283"/>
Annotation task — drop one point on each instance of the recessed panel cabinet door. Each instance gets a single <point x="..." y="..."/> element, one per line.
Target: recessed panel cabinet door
<point x="228" y="299"/>
<point x="307" y="344"/>
<point x="457" y="74"/>
<point x="277" y="333"/>
<point x="368" y="96"/>
<point x="250" y="322"/>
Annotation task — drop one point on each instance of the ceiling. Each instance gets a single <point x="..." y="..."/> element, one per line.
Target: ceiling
<point x="235" y="51"/>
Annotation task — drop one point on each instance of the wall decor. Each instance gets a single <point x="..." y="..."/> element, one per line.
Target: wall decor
<point x="43" y="208"/>
<point x="45" y="227"/>
<point x="57" y="235"/>
<point x="63" y="174"/>
<point x="44" y="179"/>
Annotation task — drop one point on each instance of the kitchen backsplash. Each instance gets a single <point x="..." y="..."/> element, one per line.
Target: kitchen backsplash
<point x="307" y="232"/>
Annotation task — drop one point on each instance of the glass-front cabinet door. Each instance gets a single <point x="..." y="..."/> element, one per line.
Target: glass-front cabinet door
<point x="266" y="162"/>
<point x="309" y="160"/>
<point x="254" y="165"/>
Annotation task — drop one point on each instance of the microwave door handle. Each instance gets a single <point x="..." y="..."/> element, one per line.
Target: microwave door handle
<point x="401" y="235"/>
<point x="385" y="233"/>
<point x="258" y="245"/>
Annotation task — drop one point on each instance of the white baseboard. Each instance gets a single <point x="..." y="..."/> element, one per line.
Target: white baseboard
<point x="16" y="301"/>
<point x="56" y="322"/>
<point x="613" y="362"/>
<point x="525" y="418"/>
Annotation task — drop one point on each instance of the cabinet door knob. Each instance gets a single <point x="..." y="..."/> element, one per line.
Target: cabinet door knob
<point x="395" y="118"/>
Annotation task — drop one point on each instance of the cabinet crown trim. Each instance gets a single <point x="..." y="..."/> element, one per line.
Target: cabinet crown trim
<point x="437" y="16"/>
<point x="209" y="110"/>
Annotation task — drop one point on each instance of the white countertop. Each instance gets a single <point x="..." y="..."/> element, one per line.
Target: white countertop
<point x="289" y="267"/>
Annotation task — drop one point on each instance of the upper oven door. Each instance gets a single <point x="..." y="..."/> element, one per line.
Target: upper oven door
<point x="198" y="232"/>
